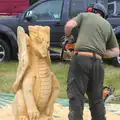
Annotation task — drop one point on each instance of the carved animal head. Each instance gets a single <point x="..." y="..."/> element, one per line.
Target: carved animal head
<point x="40" y="39"/>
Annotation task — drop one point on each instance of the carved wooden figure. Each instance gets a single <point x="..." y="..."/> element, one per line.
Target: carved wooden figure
<point x="36" y="87"/>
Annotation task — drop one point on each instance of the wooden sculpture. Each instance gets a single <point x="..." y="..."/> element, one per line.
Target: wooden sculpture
<point x="36" y="87"/>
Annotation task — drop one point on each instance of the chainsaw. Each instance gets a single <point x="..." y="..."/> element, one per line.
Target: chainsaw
<point x="107" y="92"/>
<point x="67" y="48"/>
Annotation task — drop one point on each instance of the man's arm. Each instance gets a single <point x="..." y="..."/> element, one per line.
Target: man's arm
<point x="69" y="26"/>
<point x="112" y="46"/>
<point x="114" y="52"/>
<point x="74" y="22"/>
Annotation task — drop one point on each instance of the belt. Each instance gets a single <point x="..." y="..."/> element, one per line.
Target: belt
<point x="89" y="54"/>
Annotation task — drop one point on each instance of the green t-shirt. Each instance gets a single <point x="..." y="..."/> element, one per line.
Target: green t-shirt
<point x="95" y="33"/>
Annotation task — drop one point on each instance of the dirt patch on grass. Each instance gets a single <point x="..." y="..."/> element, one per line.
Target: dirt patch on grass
<point x="3" y="73"/>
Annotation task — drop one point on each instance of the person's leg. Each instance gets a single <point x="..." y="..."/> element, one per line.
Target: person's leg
<point x="76" y="87"/>
<point x="95" y="92"/>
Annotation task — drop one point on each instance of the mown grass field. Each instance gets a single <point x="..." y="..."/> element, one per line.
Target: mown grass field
<point x="8" y="75"/>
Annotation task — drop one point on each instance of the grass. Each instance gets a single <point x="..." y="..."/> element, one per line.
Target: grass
<point x="8" y="73"/>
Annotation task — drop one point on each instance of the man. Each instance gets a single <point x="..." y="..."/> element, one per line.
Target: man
<point x="96" y="39"/>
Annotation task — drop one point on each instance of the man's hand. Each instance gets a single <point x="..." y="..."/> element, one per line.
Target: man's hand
<point x="114" y="52"/>
<point x="70" y="39"/>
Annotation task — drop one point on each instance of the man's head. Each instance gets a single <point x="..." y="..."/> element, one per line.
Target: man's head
<point x="98" y="9"/>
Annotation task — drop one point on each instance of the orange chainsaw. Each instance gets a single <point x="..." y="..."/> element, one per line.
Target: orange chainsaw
<point x="67" y="48"/>
<point x="107" y="91"/>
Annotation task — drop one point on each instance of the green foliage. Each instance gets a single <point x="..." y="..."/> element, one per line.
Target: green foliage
<point x="33" y="1"/>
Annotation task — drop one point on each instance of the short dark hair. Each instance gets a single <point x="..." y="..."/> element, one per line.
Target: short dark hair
<point x="98" y="11"/>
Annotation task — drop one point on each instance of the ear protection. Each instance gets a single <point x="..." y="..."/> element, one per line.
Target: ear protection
<point x="90" y="9"/>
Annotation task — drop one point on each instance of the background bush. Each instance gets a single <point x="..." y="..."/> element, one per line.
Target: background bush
<point x="33" y="1"/>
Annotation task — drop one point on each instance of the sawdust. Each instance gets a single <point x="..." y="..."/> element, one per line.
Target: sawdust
<point x="60" y="113"/>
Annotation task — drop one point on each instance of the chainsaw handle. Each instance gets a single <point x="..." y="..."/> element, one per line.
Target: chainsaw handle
<point x="65" y="41"/>
<point x="109" y="87"/>
<point x="106" y="87"/>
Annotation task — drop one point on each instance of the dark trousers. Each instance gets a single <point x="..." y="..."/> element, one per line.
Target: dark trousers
<point x="86" y="75"/>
